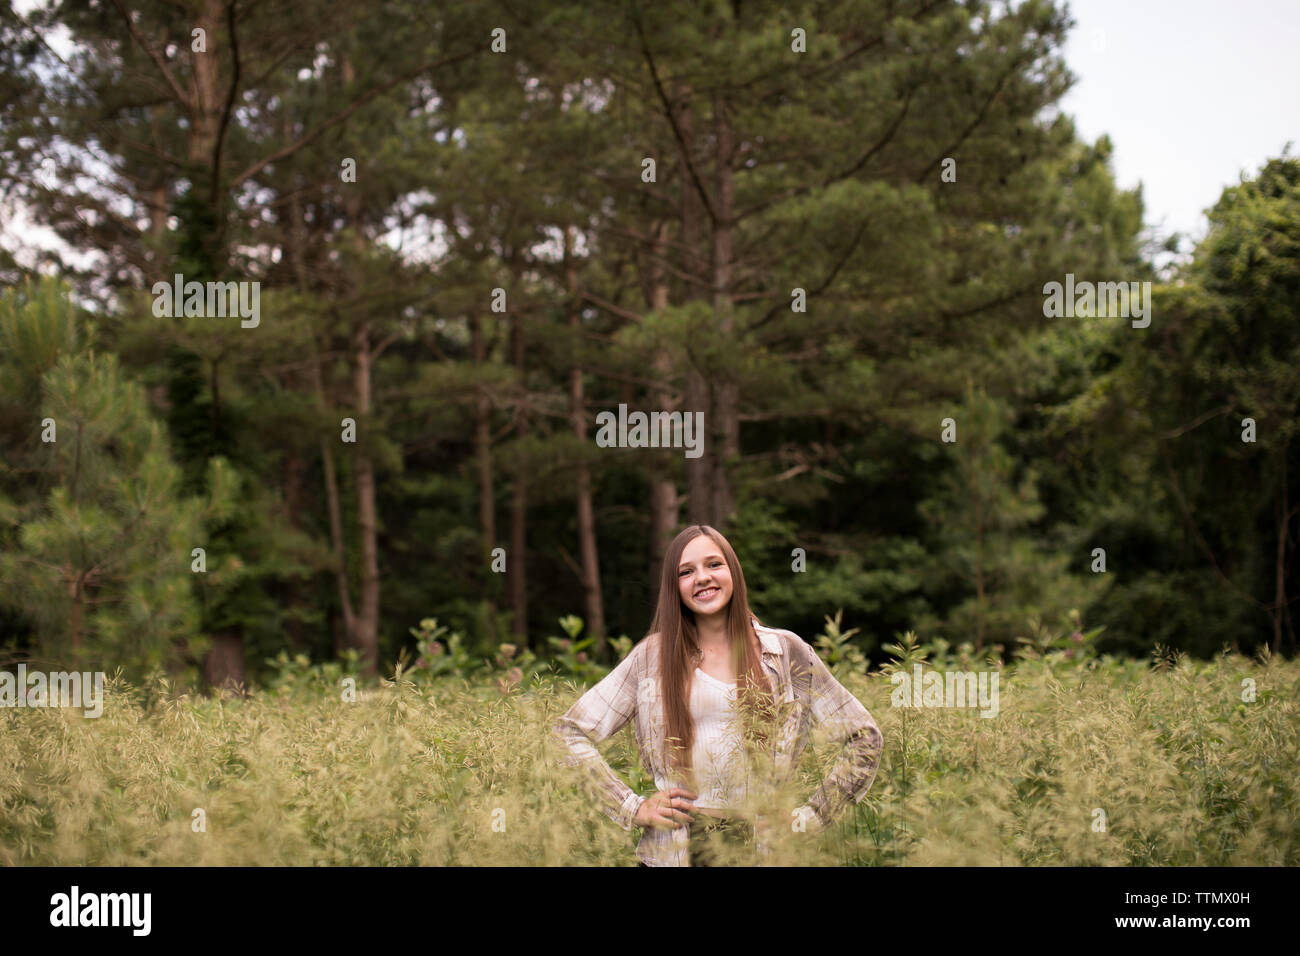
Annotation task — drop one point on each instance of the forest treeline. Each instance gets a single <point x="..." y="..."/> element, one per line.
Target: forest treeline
<point x="474" y="226"/>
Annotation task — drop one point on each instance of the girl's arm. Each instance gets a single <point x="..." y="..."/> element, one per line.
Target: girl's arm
<point x="600" y="713"/>
<point x="849" y="724"/>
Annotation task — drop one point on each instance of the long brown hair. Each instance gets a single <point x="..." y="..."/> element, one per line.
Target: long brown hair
<point x="679" y="652"/>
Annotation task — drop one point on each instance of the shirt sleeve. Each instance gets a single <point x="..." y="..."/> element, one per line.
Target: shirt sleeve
<point x="848" y="724"/>
<point x="599" y="714"/>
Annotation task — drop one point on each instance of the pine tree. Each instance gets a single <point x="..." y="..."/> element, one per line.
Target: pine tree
<point x="989" y="568"/>
<point x="101" y="561"/>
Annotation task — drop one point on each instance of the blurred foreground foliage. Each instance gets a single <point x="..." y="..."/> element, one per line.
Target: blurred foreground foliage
<point x="1172" y="755"/>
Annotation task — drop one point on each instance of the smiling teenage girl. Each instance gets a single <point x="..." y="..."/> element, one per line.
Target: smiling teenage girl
<point x="705" y="687"/>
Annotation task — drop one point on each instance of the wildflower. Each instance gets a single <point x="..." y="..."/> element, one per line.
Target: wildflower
<point x="582" y="657"/>
<point x="506" y="684"/>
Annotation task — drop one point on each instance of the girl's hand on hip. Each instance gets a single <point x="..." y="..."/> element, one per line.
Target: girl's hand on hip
<point x="666" y="809"/>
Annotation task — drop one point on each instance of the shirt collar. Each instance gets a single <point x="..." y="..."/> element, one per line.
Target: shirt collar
<point x="771" y="643"/>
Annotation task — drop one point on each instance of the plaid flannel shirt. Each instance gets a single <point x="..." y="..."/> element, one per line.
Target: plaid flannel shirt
<point x="631" y="692"/>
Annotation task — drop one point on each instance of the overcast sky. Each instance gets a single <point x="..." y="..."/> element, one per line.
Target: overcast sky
<point x="1191" y="92"/>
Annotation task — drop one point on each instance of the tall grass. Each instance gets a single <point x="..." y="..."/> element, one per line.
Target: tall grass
<point x="456" y="771"/>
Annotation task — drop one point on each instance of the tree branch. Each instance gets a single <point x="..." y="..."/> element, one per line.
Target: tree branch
<point x="772" y="312"/>
<point x="342" y="115"/>
<point x="230" y="104"/>
<point x="611" y="307"/>
<point x="155" y="56"/>
<point x="836" y="177"/>
<point x="672" y="120"/>
<point x="973" y="125"/>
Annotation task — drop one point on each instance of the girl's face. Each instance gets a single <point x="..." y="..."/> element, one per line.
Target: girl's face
<point x="703" y="577"/>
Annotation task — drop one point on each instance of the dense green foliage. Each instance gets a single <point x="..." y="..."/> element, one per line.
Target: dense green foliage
<point x="522" y="171"/>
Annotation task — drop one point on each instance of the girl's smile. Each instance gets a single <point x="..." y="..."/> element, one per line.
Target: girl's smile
<point x="703" y="577"/>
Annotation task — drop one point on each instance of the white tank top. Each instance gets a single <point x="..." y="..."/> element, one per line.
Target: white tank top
<point x="721" y="772"/>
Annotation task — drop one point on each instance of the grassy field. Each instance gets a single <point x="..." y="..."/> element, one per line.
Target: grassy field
<point x="455" y="771"/>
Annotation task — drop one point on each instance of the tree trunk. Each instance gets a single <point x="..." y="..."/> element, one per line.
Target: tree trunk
<point x="336" y="524"/>
<point x="663" y="489"/>
<point x="726" y="450"/>
<point x="699" y="477"/>
<point x="293" y="597"/>
<point x="224" y="666"/>
<point x="1279" y="611"/>
<point x="487" y="521"/>
<point x="516" y="564"/>
<point x="367" y="621"/>
<point x="205" y="98"/>
<point x="979" y="551"/>
<point x="78" y="616"/>
<point x="157" y="269"/>
<point x="589" y="557"/>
